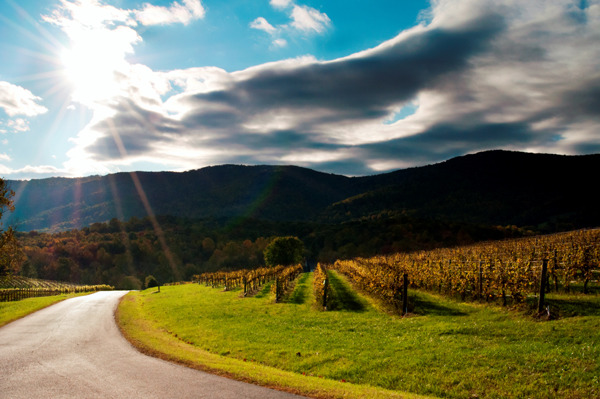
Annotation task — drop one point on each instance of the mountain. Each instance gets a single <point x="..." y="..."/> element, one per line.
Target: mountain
<point x="278" y="193"/>
<point x="547" y="192"/>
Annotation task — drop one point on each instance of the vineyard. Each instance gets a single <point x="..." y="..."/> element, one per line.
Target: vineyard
<point x="506" y="270"/>
<point x="327" y="331"/>
<point x="252" y="279"/>
<point x="15" y="288"/>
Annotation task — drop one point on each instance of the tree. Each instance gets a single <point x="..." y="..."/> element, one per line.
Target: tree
<point x="11" y="255"/>
<point x="284" y="251"/>
<point x="6" y="195"/>
<point x="151" y="282"/>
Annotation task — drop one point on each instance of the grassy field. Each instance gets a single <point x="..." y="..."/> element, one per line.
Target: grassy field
<point x="10" y="311"/>
<point x="446" y="349"/>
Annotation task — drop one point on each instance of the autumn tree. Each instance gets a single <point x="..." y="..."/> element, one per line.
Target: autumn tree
<point x="11" y="255"/>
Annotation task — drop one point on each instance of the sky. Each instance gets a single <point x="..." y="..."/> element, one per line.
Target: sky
<point x="354" y="87"/>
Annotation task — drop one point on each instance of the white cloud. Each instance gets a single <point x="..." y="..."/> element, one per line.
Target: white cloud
<point x="184" y="13"/>
<point x="16" y="100"/>
<point x="304" y="19"/>
<point x="5" y="157"/>
<point x="29" y="172"/>
<point x="280" y="3"/>
<point x="90" y="13"/>
<point x="18" y="125"/>
<point x="308" y="19"/>
<point x="93" y="14"/>
<point x="262" y="24"/>
<point x="280" y="42"/>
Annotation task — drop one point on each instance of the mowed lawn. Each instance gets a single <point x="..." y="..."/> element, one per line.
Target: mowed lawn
<point x="445" y="349"/>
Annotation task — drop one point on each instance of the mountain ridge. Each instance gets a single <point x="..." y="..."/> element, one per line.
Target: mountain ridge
<point x="492" y="188"/>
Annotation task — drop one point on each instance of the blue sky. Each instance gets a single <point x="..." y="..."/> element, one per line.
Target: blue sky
<point x="350" y="87"/>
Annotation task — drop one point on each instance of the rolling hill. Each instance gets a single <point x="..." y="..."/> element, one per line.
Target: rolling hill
<point x="544" y="191"/>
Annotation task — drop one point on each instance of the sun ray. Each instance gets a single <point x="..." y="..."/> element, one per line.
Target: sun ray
<point x="156" y="226"/>
<point x="146" y="204"/>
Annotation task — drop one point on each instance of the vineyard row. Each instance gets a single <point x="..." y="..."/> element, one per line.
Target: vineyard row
<point x="17" y="294"/>
<point x="505" y="269"/>
<point x="252" y="279"/>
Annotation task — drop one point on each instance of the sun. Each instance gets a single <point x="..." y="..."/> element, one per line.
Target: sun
<point x="91" y="76"/>
<point x="93" y="62"/>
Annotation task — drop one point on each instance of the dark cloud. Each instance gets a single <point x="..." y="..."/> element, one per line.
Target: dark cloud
<point x="212" y="119"/>
<point x="133" y="131"/>
<point x="280" y="141"/>
<point x="583" y="101"/>
<point x="363" y="86"/>
<point x="347" y="167"/>
<point x="446" y="141"/>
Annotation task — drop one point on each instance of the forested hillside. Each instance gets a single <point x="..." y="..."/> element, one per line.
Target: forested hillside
<point x="542" y="192"/>
<point x="124" y="254"/>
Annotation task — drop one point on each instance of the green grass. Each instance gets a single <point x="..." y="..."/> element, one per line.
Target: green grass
<point x="446" y="349"/>
<point x="10" y="311"/>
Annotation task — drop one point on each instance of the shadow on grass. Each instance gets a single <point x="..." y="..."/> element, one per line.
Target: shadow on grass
<point x="427" y="306"/>
<point x="343" y="297"/>
<point x="571" y="305"/>
<point x="300" y="293"/>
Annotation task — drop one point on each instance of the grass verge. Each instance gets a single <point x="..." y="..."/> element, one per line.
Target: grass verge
<point x="153" y="339"/>
<point x="448" y="349"/>
<point x="11" y="311"/>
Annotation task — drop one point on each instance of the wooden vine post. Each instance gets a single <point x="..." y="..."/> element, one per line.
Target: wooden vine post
<point x="480" y="279"/>
<point x="543" y="278"/>
<point x="405" y="295"/>
<point x="277" y="289"/>
<point x="325" y="286"/>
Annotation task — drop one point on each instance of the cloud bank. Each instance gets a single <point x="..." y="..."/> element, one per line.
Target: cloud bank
<point x="473" y="75"/>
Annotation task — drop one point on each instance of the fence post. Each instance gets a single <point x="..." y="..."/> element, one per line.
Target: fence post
<point x="405" y="295"/>
<point x="541" y="302"/>
<point x="480" y="279"/>
<point x="325" y="286"/>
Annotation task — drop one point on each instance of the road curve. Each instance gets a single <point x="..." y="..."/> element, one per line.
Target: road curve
<point x="74" y="350"/>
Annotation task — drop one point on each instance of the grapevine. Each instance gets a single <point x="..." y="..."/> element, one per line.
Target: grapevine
<point x="14" y="288"/>
<point x="493" y="270"/>
<point x="252" y="279"/>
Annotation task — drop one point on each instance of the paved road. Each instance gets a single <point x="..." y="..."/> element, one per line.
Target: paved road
<point x="74" y="350"/>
